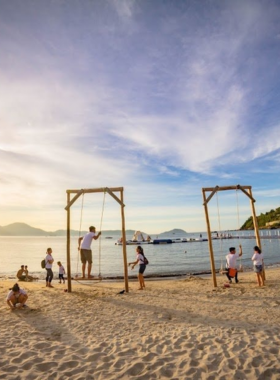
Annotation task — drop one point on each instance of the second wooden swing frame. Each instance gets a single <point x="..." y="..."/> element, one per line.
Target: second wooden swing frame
<point x="70" y="202"/>
<point x="247" y="190"/>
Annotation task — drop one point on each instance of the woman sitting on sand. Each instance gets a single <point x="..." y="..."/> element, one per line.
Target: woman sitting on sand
<point x="258" y="265"/>
<point x="140" y="259"/>
<point x="16" y="297"/>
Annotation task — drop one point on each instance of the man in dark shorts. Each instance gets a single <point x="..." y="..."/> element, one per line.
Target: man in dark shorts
<point x="85" y="248"/>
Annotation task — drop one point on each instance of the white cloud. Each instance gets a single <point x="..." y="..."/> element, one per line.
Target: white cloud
<point x="134" y="101"/>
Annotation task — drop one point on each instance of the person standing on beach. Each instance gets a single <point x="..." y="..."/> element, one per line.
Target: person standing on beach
<point x="140" y="258"/>
<point x="231" y="263"/>
<point x="84" y="246"/>
<point x="49" y="262"/>
<point x="16" y="297"/>
<point x="61" y="272"/>
<point x="258" y="265"/>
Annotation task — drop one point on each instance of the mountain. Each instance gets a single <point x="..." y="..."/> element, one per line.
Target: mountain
<point x="175" y="231"/>
<point x="269" y="220"/>
<point x="23" y="229"/>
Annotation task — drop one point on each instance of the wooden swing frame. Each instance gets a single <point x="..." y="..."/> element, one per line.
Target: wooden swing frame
<point x="247" y="190"/>
<point x="70" y="202"/>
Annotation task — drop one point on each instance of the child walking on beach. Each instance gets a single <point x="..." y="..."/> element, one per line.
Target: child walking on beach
<point x="140" y="258"/>
<point x="61" y="272"/>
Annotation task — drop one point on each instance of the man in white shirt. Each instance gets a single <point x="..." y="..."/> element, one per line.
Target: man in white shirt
<point x="85" y="248"/>
<point x="231" y="263"/>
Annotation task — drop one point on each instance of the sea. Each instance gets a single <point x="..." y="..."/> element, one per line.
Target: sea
<point x="176" y="259"/>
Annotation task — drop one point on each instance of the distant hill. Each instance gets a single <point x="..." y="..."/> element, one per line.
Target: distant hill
<point x="175" y="231"/>
<point x="23" y="229"/>
<point x="269" y="220"/>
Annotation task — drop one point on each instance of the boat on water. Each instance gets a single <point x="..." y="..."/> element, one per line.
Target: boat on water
<point x="137" y="239"/>
<point x="162" y="241"/>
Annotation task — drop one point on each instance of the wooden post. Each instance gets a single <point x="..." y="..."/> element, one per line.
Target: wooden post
<point x="68" y="247"/>
<point x="210" y="241"/>
<point x="124" y="246"/>
<point x="255" y="221"/>
<point x="256" y="227"/>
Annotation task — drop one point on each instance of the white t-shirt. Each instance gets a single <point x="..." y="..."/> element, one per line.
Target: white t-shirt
<point x="61" y="269"/>
<point x="87" y="240"/>
<point x="48" y="265"/>
<point x="11" y="293"/>
<point x="257" y="258"/>
<point x="232" y="259"/>
<point x="140" y="257"/>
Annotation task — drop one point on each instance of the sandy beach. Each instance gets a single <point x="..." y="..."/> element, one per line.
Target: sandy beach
<point x="175" y="329"/>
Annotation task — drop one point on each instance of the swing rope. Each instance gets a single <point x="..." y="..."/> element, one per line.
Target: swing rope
<point x="100" y="229"/>
<point x="221" y="240"/>
<point x="81" y="220"/>
<point x="238" y="227"/>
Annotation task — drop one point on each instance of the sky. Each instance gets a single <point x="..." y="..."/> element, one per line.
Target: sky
<point x="162" y="98"/>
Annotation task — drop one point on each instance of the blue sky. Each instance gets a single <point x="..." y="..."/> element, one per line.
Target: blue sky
<point x="160" y="97"/>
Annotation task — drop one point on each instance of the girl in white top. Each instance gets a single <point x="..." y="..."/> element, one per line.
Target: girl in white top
<point x="142" y="266"/>
<point x="16" y="297"/>
<point x="258" y="265"/>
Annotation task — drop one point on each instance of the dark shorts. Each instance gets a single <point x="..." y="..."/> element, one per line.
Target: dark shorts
<point x="258" y="268"/>
<point x="142" y="268"/>
<point x="86" y="256"/>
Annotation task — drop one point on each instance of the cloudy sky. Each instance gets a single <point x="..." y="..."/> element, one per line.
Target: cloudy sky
<point x="160" y="97"/>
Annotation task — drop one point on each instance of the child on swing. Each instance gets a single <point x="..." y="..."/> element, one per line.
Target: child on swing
<point x="231" y="263"/>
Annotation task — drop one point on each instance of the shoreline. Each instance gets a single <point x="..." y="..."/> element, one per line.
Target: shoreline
<point x="152" y="276"/>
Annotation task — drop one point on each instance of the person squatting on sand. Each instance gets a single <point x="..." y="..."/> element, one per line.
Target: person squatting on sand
<point x="85" y="249"/>
<point x="16" y="297"/>
<point x="257" y="259"/>
<point x="231" y="263"/>
<point x="140" y="259"/>
<point x="49" y="262"/>
<point x="61" y="272"/>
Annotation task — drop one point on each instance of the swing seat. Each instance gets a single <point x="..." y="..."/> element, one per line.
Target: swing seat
<point x="222" y="271"/>
<point x="232" y="272"/>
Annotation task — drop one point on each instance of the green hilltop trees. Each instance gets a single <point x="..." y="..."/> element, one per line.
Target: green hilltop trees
<point x="270" y="219"/>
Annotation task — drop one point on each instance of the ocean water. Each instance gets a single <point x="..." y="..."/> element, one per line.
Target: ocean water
<point x="168" y="259"/>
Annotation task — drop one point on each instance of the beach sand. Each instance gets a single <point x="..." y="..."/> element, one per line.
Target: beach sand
<point x="175" y="329"/>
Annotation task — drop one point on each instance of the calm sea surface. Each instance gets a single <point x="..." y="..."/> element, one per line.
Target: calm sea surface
<point x="168" y="259"/>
